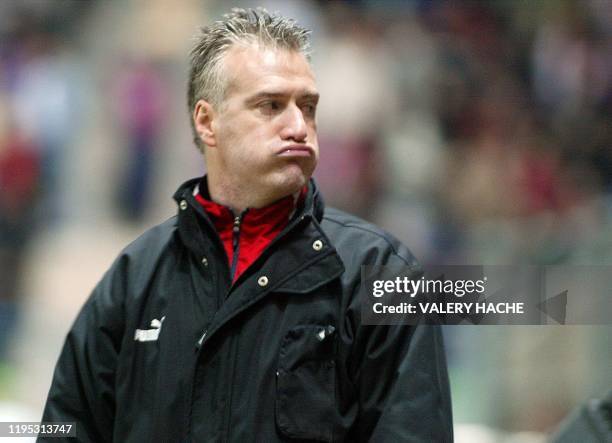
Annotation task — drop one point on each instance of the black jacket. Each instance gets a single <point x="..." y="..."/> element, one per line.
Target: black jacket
<point x="166" y="349"/>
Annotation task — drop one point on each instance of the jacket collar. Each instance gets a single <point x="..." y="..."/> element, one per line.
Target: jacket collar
<point x="314" y="206"/>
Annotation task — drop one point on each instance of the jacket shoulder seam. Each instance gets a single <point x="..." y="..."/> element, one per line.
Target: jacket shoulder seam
<point x="371" y="231"/>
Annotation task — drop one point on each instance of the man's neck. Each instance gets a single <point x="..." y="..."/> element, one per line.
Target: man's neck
<point x="238" y="199"/>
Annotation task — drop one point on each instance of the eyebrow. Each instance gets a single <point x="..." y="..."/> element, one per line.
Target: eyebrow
<point x="277" y="94"/>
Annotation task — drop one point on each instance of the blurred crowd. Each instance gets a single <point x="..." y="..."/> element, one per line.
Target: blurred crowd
<point x="476" y="132"/>
<point x="489" y="119"/>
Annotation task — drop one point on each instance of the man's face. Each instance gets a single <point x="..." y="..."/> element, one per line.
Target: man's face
<point x="264" y="131"/>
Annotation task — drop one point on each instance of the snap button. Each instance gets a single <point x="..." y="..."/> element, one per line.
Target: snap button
<point x="262" y="281"/>
<point x="205" y="261"/>
<point x="183" y="205"/>
<point x="317" y="245"/>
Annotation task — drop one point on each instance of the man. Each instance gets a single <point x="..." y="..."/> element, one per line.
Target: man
<point x="239" y="320"/>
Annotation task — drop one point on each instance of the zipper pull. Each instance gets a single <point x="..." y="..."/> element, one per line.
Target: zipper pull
<point x="236" y="231"/>
<point x="236" y="242"/>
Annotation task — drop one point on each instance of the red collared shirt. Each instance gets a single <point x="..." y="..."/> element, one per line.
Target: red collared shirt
<point x="245" y="236"/>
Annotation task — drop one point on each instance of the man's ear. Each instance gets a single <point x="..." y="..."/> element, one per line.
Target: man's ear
<point x="203" y="117"/>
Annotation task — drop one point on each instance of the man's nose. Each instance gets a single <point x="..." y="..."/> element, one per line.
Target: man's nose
<point x="294" y="125"/>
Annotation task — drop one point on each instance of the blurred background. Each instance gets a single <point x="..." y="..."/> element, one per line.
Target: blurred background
<point x="476" y="132"/>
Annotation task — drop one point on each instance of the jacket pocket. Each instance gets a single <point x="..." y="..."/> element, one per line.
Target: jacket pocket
<point x="305" y="385"/>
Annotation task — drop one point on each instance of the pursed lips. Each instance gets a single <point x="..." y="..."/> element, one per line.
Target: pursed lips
<point x="296" y="151"/>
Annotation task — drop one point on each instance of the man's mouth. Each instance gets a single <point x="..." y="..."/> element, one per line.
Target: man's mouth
<point x="296" y="151"/>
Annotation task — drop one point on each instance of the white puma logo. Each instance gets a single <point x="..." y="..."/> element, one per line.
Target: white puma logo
<point x="150" y="334"/>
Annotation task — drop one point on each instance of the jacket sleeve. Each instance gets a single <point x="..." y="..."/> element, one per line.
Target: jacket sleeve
<point x="402" y="383"/>
<point x="82" y="389"/>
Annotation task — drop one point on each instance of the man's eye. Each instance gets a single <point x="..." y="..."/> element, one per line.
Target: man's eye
<point x="309" y="110"/>
<point x="270" y="106"/>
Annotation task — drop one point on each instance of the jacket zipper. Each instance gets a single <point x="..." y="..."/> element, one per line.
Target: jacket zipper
<point x="236" y="243"/>
<point x="236" y="249"/>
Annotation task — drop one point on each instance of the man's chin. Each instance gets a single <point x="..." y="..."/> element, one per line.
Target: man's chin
<point x="289" y="183"/>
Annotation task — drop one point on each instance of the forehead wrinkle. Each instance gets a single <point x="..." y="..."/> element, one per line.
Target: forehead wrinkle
<point x="275" y="84"/>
